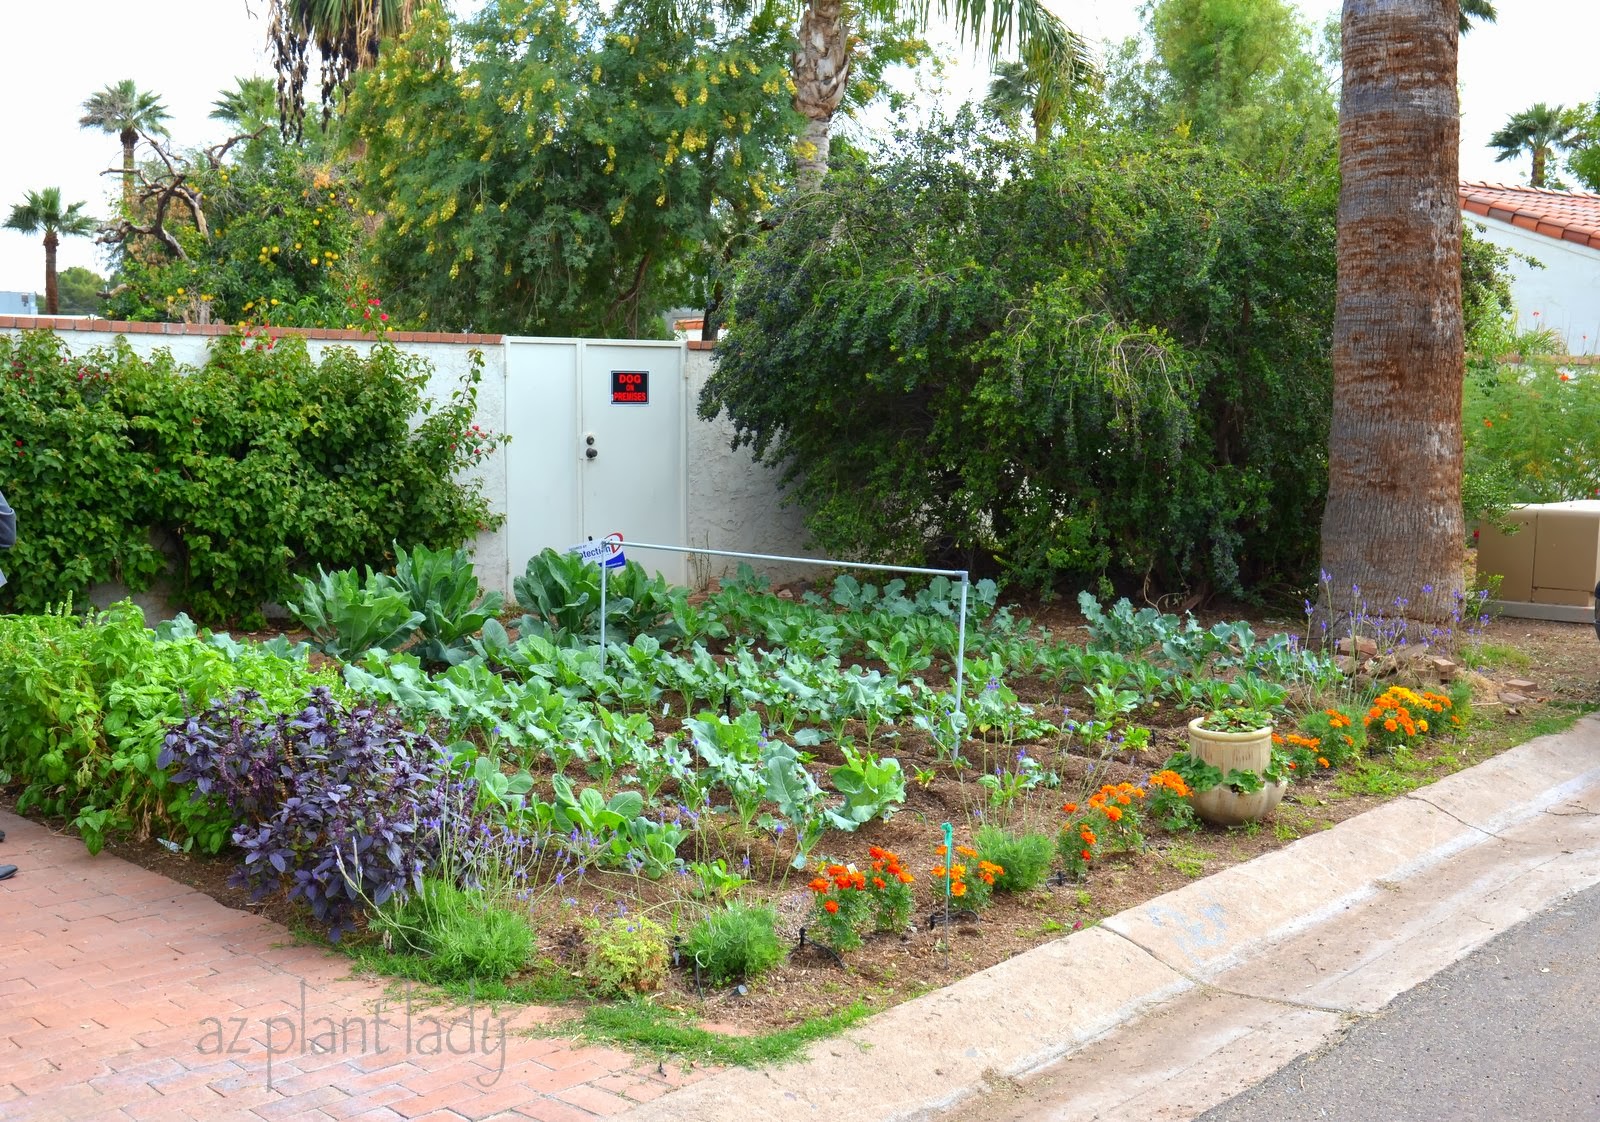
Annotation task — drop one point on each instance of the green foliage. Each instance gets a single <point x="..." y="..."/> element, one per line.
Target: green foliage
<point x="624" y="955"/>
<point x="1025" y="858"/>
<point x="566" y="168"/>
<point x="79" y="291"/>
<point x="466" y="936"/>
<point x="280" y="246"/>
<point x="872" y="788"/>
<point x="1531" y="433"/>
<point x="259" y="465"/>
<point x="736" y="942"/>
<point x="84" y="707"/>
<point x="1244" y="74"/>
<point x="1072" y="359"/>
<point x="643" y="1025"/>
<point x="348" y="617"/>
<point x="561" y="593"/>
<point x="442" y="586"/>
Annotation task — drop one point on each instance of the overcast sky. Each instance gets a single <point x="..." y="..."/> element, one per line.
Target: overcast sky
<point x="54" y="55"/>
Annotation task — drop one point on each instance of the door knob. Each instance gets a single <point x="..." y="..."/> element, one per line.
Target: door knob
<point x="590" y="453"/>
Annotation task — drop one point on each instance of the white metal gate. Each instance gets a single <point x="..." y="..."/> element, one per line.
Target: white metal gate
<point x="599" y="446"/>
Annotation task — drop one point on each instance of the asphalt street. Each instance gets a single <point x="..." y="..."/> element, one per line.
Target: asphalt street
<point x="1509" y="1033"/>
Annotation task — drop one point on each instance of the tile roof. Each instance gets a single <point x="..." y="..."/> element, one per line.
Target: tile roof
<point x="1570" y="216"/>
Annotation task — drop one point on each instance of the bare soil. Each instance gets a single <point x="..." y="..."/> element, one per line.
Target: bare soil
<point x="1562" y="660"/>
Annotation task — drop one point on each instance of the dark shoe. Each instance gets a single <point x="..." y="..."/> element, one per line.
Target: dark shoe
<point x="6" y="871"/>
<point x="2" y="835"/>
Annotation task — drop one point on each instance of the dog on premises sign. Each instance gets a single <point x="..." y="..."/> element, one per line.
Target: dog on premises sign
<point x="630" y="387"/>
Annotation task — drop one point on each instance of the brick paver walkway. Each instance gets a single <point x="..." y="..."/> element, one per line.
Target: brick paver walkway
<point x="124" y="995"/>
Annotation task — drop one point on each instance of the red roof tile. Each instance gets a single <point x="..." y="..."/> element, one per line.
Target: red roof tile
<point x="1570" y="216"/>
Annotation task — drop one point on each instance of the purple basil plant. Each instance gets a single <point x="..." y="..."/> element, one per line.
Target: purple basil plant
<point x="340" y="806"/>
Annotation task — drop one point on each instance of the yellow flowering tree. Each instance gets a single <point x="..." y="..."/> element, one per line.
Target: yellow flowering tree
<point x="266" y="233"/>
<point x="555" y="167"/>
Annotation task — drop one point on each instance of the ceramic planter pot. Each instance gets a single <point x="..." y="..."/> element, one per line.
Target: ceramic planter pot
<point x="1234" y="751"/>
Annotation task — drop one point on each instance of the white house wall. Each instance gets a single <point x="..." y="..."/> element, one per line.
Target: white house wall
<point x="1565" y="293"/>
<point x="734" y="502"/>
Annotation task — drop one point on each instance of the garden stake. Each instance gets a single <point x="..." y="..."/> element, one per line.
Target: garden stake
<point x="602" y="614"/>
<point x="961" y="658"/>
<point x="949" y="859"/>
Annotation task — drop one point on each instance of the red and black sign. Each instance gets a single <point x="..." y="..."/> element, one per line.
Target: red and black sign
<point x="630" y="387"/>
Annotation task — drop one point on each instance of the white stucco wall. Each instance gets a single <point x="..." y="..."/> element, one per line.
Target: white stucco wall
<point x="1565" y="293"/>
<point x="734" y="502"/>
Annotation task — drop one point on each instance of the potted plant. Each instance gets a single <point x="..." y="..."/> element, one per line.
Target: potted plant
<point x="1247" y="783"/>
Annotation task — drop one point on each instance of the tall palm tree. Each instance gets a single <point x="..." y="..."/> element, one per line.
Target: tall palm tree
<point x="1036" y="84"/>
<point x="346" y="34"/>
<point x="1393" y="523"/>
<point x="821" y="66"/>
<point x="250" y="106"/>
<point x="42" y="210"/>
<point x="1538" y="131"/>
<point x="125" y="111"/>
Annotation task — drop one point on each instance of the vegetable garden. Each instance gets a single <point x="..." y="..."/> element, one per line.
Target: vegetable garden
<point x="753" y="786"/>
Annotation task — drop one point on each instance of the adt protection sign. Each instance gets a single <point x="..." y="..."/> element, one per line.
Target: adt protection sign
<point x="607" y="551"/>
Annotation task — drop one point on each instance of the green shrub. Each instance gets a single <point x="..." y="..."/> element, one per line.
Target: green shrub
<point x="1130" y="376"/>
<point x="1024" y="857"/>
<point x="259" y="465"/>
<point x="739" y="941"/>
<point x="465" y="936"/>
<point x="1530" y="432"/>
<point x="624" y="955"/>
<point x="85" y="702"/>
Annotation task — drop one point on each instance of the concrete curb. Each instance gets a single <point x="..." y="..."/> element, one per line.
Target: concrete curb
<point x="1030" y="1011"/>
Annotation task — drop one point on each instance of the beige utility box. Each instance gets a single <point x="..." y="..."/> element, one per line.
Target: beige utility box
<point x="1551" y="563"/>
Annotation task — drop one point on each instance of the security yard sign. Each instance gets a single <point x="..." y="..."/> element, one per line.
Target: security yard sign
<point x="606" y="551"/>
<point x="630" y="387"/>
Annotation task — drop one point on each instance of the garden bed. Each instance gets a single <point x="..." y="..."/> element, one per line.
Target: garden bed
<point x="813" y="981"/>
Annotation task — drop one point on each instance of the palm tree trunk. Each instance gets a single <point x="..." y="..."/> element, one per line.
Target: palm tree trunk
<point x="1538" y="166"/>
<point x="821" y="71"/>
<point x="129" y="139"/>
<point x="52" y="294"/>
<point x="1393" y="522"/>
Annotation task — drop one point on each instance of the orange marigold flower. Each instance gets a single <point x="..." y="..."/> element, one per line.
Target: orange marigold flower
<point x="1070" y="808"/>
<point x="1086" y="855"/>
<point x="1391" y="725"/>
<point x="966" y="851"/>
<point x="958" y="889"/>
<point x="832" y="906"/>
<point x="1113" y="813"/>
<point x="1423" y="725"/>
<point x="1087" y="835"/>
<point x="905" y="878"/>
<point x="818" y="885"/>
<point x="1323" y="761"/>
<point x="939" y="871"/>
<point x="879" y="883"/>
